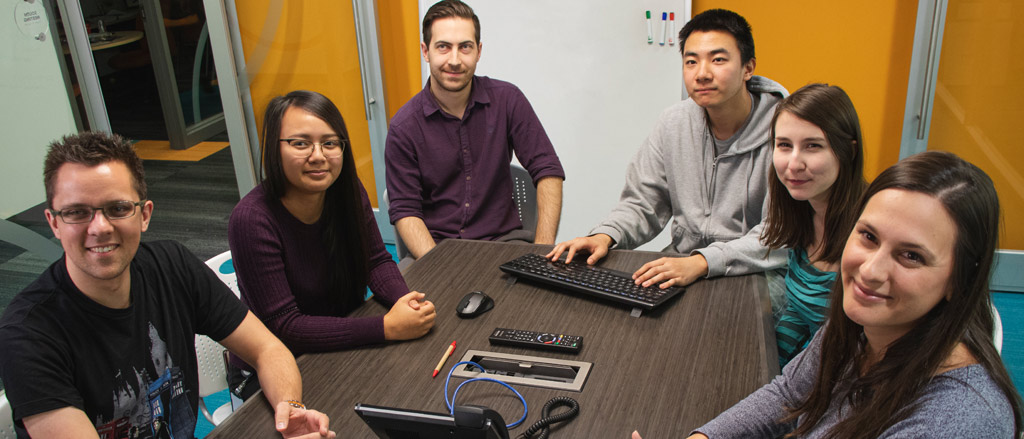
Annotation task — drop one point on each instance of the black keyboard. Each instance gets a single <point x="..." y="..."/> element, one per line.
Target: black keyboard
<point x="577" y="276"/>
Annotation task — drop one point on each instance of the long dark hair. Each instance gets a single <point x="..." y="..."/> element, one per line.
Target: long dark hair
<point x="344" y="226"/>
<point x="890" y="390"/>
<point x="790" y="223"/>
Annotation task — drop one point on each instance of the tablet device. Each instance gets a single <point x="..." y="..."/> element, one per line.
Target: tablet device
<point x="468" y="422"/>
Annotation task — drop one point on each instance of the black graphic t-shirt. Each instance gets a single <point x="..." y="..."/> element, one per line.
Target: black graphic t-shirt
<point x="132" y="371"/>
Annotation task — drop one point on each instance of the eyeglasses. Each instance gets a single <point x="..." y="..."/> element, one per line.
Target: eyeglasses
<point x="84" y="214"/>
<point x="331" y="149"/>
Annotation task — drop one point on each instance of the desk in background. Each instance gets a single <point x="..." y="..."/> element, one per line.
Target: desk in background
<point x="110" y="40"/>
<point x="664" y="373"/>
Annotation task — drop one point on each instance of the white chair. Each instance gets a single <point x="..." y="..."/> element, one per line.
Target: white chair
<point x="524" y="193"/>
<point x="221" y="264"/>
<point x="213" y="375"/>
<point x="6" y="418"/>
<point x="997" y="330"/>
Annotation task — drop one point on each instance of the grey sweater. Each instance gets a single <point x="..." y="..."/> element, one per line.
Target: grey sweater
<point x="716" y="204"/>
<point x="963" y="402"/>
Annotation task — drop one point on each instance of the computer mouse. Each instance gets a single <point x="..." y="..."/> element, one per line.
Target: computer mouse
<point x="474" y="304"/>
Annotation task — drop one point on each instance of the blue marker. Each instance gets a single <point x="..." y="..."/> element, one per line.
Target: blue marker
<point x="664" y="27"/>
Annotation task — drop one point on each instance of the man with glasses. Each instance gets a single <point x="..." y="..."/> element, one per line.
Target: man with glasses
<point x="103" y="343"/>
<point x="449" y="148"/>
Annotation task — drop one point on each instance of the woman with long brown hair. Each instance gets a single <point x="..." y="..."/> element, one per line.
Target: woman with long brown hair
<point x="907" y="350"/>
<point x="818" y="161"/>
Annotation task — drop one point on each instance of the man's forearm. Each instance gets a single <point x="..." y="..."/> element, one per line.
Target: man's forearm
<point x="549" y="209"/>
<point x="274" y="363"/>
<point x="413" y="232"/>
<point x="279" y="375"/>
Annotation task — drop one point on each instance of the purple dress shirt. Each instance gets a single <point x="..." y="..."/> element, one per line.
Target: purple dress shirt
<point x="454" y="174"/>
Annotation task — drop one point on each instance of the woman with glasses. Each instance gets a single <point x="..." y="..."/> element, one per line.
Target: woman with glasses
<point x="907" y="349"/>
<point x="305" y="244"/>
<point x="819" y="178"/>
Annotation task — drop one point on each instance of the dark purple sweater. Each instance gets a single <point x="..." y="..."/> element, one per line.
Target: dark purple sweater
<point x="284" y="277"/>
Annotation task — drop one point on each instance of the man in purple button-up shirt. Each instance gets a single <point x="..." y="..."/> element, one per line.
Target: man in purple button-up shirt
<point x="449" y="148"/>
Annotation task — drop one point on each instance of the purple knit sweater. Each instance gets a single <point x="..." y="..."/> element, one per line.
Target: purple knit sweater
<point x="283" y="274"/>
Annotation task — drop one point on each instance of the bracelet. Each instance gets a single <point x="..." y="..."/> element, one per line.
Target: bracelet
<point x="296" y="404"/>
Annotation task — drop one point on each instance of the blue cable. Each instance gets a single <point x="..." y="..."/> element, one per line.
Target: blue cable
<point x="451" y="409"/>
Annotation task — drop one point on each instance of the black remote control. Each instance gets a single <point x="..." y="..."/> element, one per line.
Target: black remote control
<point x="537" y="340"/>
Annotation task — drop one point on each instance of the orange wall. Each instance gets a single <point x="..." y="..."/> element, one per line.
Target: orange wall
<point x="311" y="45"/>
<point x="399" y="30"/>
<point x="863" y="47"/>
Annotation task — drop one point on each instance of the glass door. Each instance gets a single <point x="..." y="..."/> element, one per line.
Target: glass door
<point x="178" y="43"/>
<point x="965" y="97"/>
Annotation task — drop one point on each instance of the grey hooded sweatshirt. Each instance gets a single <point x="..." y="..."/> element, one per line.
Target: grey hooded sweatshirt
<point x="716" y="204"/>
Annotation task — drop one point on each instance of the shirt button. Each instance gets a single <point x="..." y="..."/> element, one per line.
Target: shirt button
<point x="462" y="230"/>
<point x="468" y="178"/>
<point x="467" y="204"/>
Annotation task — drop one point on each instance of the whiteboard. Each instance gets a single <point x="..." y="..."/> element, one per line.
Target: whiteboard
<point x="594" y="81"/>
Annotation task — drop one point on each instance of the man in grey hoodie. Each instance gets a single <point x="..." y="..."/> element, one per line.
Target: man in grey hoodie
<point x="706" y="166"/>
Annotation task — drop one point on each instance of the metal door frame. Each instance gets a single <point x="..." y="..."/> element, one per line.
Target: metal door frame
<point x="85" y="66"/>
<point x="180" y="135"/>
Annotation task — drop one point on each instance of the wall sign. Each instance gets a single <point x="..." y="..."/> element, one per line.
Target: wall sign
<point x="30" y="16"/>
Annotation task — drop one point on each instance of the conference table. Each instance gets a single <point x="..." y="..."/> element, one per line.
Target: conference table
<point x="663" y="373"/>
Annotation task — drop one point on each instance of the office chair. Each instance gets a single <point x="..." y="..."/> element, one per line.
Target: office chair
<point x="221" y="264"/>
<point x="6" y="418"/>
<point x="524" y="193"/>
<point x="213" y="374"/>
<point x="400" y="248"/>
<point x="213" y="377"/>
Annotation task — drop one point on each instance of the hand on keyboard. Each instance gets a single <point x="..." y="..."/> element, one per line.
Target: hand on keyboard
<point x="597" y="245"/>
<point x="671" y="272"/>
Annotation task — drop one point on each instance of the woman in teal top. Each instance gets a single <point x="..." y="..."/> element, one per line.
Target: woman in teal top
<point x="819" y="163"/>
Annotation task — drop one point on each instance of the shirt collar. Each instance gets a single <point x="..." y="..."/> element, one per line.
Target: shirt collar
<point x="477" y="95"/>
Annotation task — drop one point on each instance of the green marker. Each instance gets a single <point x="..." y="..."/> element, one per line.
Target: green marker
<point x="650" y="33"/>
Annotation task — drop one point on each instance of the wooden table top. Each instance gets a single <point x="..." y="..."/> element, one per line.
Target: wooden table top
<point x="664" y="373"/>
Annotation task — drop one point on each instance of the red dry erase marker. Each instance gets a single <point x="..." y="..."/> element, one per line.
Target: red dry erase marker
<point x="672" y="28"/>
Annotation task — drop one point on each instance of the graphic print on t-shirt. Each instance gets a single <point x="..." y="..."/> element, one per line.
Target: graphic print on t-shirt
<point x="148" y="406"/>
